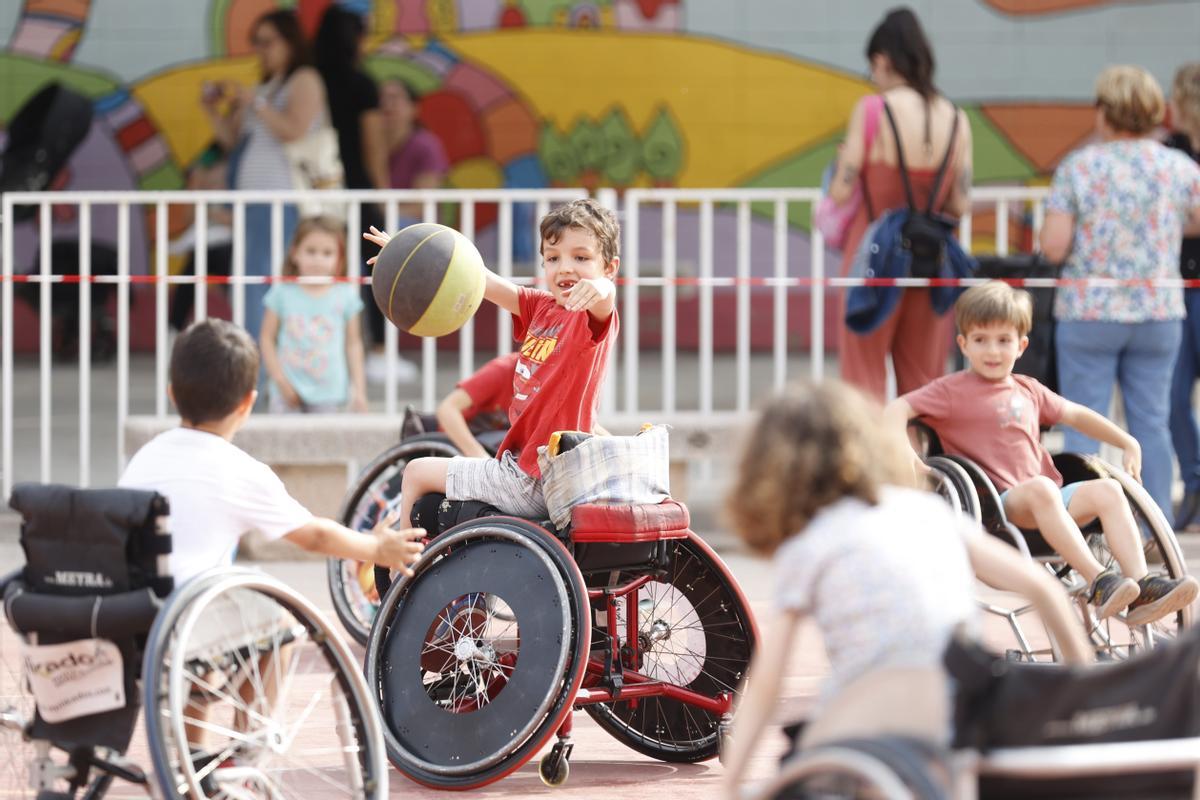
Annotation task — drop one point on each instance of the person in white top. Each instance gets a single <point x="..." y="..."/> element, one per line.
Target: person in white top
<point x="217" y="492"/>
<point x="884" y="570"/>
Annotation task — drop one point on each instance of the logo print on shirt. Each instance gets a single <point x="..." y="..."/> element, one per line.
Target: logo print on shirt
<point x="538" y="348"/>
<point x="1012" y="412"/>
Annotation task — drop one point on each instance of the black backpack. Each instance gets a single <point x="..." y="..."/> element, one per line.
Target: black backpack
<point x="924" y="233"/>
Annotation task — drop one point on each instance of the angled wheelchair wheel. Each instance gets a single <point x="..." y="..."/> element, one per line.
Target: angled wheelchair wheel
<point x="475" y="659"/>
<point x="375" y="492"/>
<point x="16" y="713"/>
<point x="883" y="769"/>
<point x="695" y="630"/>
<point x="1113" y="637"/>
<point x="250" y="692"/>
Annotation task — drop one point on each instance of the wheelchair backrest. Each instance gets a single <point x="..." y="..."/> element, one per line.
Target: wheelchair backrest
<point x="95" y="573"/>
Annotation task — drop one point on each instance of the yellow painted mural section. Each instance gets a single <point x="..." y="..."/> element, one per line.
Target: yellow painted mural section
<point x="739" y="109"/>
<point x="172" y="100"/>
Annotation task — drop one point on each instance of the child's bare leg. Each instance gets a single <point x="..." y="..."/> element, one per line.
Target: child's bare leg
<point x="421" y="477"/>
<point x="1037" y="503"/>
<point x="1105" y="499"/>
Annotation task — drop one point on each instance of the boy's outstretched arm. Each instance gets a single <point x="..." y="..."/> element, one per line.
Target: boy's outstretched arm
<point x="896" y="415"/>
<point x="385" y="546"/>
<point x="760" y="697"/>
<point x="1000" y="566"/>
<point x="1099" y="427"/>
<point x="597" y="296"/>
<point x="502" y="292"/>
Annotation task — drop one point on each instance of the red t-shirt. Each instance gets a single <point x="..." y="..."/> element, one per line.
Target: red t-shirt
<point x="491" y="389"/>
<point x="556" y="383"/>
<point x="996" y="424"/>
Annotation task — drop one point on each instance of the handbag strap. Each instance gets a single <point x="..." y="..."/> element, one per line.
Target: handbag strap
<point x="870" y="128"/>
<point x="941" y="173"/>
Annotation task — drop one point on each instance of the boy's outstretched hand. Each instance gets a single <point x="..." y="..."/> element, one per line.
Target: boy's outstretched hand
<point x="397" y="549"/>
<point x="587" y="293"/>
<point x="376" y="236"/>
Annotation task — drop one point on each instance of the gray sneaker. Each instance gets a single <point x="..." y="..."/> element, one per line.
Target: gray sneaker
<point x="1160" y="596"/>
<point x="1111" y="593"/>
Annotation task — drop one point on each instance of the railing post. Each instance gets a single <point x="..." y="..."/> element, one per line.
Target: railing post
<point x="780" y="317"/>
<point x="816" y="342"/>
<point x="670" y="300"/>
<point x="466" y="334"/>
<point x="160" y="309"/>
<point x="706" y="306"/>
<point x="85" y="344"/>
<point x="45" y="329"/>
<point x="629" y="321"/>
<point x="122" y="328"/>
<point x="6" y="348"/>
<point x="742" y="293"/>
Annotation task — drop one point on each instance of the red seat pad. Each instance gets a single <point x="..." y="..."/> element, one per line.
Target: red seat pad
<point x="660" y="520"/>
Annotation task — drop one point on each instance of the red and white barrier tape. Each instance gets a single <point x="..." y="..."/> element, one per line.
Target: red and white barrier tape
<point x="795" y="282"/>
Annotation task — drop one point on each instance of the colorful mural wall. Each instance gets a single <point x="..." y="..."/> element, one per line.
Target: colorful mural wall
<point x="526" y="93"/>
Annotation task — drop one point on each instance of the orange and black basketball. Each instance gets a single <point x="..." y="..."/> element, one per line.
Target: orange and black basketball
<point x="428" y="280"/>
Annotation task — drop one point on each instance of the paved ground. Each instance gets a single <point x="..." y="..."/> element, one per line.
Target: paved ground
<point x="600" y="765"/>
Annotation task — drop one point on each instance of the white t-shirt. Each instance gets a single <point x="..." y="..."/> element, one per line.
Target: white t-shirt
<point x="217" y="492"/>
<point x="886" y="584"/>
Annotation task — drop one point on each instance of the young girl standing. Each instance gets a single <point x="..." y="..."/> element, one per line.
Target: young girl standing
<point x="311" y="335"/>
<point x="883" y="570"/>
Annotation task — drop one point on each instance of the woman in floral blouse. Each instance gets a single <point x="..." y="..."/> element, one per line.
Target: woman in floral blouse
<point x="1119" y="209"/>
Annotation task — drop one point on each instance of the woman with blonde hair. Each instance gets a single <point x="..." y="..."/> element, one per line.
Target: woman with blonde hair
<point x="1185" y="435"/>
<point x="1118" y="209"/>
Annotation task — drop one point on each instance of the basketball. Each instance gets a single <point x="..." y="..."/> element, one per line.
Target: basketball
<point x="428" y="280"/>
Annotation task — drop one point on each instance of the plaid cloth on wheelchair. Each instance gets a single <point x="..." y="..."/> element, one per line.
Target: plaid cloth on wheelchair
<point x="609" y="470"/>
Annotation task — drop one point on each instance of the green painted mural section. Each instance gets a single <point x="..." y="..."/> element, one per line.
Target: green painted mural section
<point x="24" y="76"/>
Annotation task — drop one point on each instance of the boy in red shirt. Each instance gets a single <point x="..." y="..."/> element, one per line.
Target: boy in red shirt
<point x="566" y="334"/>
<point x="994" y="417"/>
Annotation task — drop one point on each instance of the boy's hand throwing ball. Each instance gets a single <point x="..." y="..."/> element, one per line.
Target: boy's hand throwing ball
<point x="397" y="549"/>
<point x="587" y="293"/>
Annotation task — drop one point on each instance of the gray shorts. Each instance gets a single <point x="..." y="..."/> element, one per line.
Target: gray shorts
<point x="499" y="482"/>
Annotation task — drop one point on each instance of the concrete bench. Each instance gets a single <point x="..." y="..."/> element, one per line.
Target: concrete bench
<point x="318" y="456"/>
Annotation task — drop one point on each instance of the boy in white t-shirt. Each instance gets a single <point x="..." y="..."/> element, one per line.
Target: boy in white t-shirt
<point x="218" y="492"/>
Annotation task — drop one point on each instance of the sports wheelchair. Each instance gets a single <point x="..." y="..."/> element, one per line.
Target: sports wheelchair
<point x="375" y="492"/>
<point x="507" y="625"/>
<point x="233" y="668"/>
<point x="1020" y="730"/>
<point x="967" y="488"/>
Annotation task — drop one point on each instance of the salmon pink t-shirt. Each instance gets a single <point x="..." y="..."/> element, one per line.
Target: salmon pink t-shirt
<point x="996" y="424"/>
<point x="556" y="383"/>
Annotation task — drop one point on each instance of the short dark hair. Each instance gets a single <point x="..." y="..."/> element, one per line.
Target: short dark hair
<point x="900" y="37"/>
<point x="587" y="215"/>
<point x="214" y="365"/>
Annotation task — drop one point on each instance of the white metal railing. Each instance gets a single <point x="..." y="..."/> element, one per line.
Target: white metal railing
<point x="784" y="278"/>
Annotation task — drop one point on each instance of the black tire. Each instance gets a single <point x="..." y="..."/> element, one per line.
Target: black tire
<point x="456" y="719"/>
<point x="716" y="612"/>
<point x="381" y="479"/>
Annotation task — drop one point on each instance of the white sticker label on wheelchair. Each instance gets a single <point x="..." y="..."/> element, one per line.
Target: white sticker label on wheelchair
<point x="76" y="678"/>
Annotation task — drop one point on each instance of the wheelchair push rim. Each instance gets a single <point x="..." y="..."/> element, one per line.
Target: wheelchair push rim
<point x="697" y="632"/>
<point x="285" y="643"/>
<point x="465" y="703"/>
<point x="375" y="492"/>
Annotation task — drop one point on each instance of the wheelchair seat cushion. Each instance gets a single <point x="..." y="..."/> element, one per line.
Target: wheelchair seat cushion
<point x="629" y="523"/>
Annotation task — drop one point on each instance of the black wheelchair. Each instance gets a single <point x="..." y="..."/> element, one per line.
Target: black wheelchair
<point x="967" y="488"/>
<point x="1020" y="730"/>
<point x="376" y="492"/>
<point x="508" y="625"/>
<point x="241" y="678"/>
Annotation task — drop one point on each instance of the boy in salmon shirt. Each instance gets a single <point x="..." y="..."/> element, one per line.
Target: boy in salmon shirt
<point x="988" y="414"/>
<point x="566" y="335"/>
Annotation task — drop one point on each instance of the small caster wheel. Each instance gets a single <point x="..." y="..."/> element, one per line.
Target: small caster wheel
<point x="724" y="745"/>
<point x="553" y="768"/>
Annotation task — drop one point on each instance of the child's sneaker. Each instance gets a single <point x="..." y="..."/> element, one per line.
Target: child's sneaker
<point x="1111" y="593"/>
<point x="1161" y="596"/>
